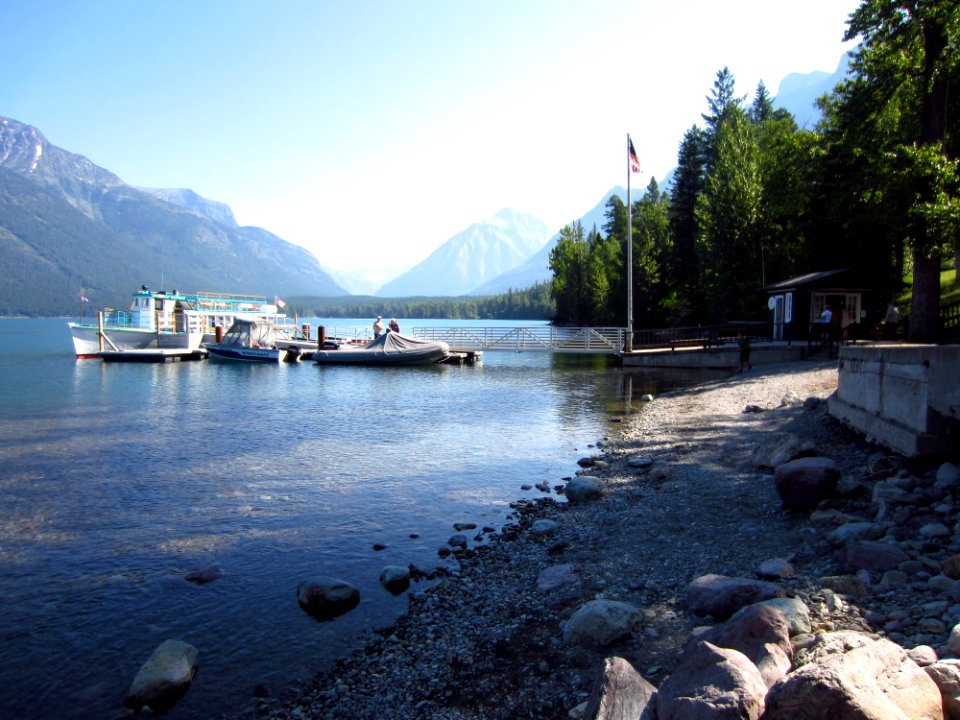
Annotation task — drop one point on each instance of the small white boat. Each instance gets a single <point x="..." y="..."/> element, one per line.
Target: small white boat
<point x="391" y="348"/>
<point x="251" y="341"/>
<point x="167" y="320"/>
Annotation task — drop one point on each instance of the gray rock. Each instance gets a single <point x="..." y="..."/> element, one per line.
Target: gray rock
<point x="620" y="693"/>
<point x="555" y="577"/>
<point x="599" y="623"/>
<point x="544" y="526"/>
<point x="791" y="399"/>
<point x="584" y="488"/>
<point x="395" y="578"/>
<point x="640" y="462"/>
<point x="805" y="482"/>
<point x="845" y="585"/>
<point x="164" y="678"/>
<point x="204" y="575"/>
<point x="934" y="530"/>
<point x="852" y="675"/>
<point x="872" y="555"/>
<point x="461" y="526"/>
<point x="325" y="598"/>
<point x="458" y="540"/>
<point x="711" y="682"/>
<point x="948" y="474"/>
<point x="854" y="531"/>
<point x="781" y="449"/>
<point x="721" y="596"/>
<point x="776" y="569"/>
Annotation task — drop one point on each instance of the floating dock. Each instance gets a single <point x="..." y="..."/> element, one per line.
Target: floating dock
<point x="153" y="355"/>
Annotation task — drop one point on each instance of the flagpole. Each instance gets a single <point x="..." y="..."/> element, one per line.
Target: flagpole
<point x="629" y="344"/>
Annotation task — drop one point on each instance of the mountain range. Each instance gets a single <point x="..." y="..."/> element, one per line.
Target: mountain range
<point x="69" y="227"/>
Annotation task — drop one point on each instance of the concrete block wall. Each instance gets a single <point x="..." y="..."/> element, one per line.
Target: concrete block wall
<point x="907" y="397"/>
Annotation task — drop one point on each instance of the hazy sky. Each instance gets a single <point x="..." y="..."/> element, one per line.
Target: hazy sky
<point x="371" y="131"/>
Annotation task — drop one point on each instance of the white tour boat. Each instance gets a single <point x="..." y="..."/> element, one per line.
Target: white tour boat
<point x="165" y="319"/>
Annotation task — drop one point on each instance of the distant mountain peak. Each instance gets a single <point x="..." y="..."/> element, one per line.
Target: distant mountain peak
<point x="188" y="199"/>
<point x="473" y="256"/>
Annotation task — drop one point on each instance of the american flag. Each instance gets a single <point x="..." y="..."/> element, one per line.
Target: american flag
<point x="84" y="298"/>
<point x="634" y="160"/>
<point x="278" y="302"/>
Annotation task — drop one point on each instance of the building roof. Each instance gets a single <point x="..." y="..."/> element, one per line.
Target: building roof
<point x="803" y="280"/>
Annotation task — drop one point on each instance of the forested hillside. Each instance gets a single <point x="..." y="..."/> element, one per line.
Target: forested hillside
<point x="757" y="199"/>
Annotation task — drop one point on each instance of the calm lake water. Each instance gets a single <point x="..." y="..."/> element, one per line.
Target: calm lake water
<point x="118" y="479"/>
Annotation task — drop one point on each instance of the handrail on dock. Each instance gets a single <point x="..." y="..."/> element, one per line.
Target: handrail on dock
<point x="597" y="340"/>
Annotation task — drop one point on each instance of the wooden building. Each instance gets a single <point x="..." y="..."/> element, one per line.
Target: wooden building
<point x="798" y="303"/>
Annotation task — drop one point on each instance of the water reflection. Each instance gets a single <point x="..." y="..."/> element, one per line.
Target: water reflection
<point x="121" y="479"/>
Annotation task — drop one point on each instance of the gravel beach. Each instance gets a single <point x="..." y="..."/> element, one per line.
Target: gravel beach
<point x="683" y="497"/>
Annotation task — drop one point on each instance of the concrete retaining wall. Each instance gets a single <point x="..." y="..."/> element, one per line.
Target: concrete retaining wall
<point x="723" y="358"/>
<point x="906" y="397"/>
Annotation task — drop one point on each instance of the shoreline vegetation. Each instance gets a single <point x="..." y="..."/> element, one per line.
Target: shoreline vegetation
<point x="687" y="492"/>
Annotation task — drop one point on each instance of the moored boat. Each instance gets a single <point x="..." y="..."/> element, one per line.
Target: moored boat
<point x="251" y="341"/>
<point x="391" y="348"/>
<point x="162" y="319"/>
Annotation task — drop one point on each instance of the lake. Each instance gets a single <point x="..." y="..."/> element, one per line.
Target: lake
<point x="119" y="479"/>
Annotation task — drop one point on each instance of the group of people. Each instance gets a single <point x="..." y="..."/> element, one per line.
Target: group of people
<point x="394" y="326"/>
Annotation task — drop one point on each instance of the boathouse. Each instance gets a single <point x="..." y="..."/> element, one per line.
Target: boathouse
<point x="797" y="304"/>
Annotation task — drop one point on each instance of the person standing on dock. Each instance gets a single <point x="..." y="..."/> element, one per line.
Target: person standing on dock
<point x="394" y="325"/>
<point x="377" y="327"/>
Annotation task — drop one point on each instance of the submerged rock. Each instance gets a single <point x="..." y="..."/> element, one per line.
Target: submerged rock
<point x="164" y="678"/>
<point x="326" y="598"/>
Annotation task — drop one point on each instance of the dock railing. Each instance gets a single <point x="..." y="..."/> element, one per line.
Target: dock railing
<point x="597" y="340"/>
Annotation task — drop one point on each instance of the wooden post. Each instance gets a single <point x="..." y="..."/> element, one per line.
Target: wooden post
<point x="321" y="336"/>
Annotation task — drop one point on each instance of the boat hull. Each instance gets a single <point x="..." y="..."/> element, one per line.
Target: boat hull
<point x="245" y="355"/>
<point x="86" y="340"/>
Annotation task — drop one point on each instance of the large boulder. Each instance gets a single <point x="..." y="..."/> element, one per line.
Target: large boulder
<point x="721" y="596"/>
<point x="781" y="449"/>
<point x="326" y="598"/>
<point x="804" y="483"/>
<point x="164" y="678"/>
<point x="584" y="488"/>
<point x="854" y="676"/>
<point x="601" y="622"/>
<point x="621" y="693"/>
<point x="760" y="632"/>
<point x="711" y="683"/>
<point x="872" y="555"/>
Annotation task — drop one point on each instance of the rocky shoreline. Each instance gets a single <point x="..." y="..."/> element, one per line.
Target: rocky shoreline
<point x="688" y="494"/>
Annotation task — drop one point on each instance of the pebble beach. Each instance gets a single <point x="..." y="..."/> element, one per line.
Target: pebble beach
<point x="685" y="491"/>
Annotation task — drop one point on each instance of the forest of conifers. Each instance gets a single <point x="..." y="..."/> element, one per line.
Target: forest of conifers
<point x="757" y="199"/>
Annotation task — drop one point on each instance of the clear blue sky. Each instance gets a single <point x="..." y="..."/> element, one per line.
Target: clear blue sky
<point x="370" y="132"/>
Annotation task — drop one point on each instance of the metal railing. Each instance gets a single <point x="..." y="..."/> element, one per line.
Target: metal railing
<point x="598" y="340"/>
<point x="702" y="336"/>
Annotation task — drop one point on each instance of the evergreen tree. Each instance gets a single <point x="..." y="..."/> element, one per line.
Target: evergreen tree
<point x="683" y="297"/>
<point x="728" y="214"/>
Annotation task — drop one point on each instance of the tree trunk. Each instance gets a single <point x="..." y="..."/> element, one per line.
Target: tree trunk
<point x="925" y="300"/>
